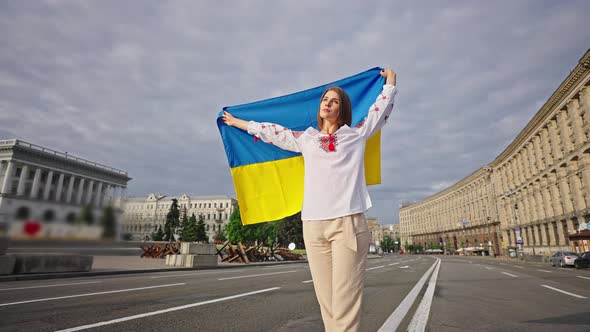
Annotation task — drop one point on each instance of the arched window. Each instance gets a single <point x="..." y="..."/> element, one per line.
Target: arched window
<point x="48" y="215"/>
<point x="22" y="213"/>
<point x="71" y="218"/>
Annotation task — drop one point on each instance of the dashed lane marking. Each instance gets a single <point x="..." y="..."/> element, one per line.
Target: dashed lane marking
<point x="256" y="275"/>
<point x="564" y="292"/>
<point x="53" y="285"/>
<point x="147" y="314"/>
<point x="376" y="267"/>
<point x="90" y="294"/>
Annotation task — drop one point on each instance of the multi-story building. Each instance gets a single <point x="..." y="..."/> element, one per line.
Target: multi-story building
<point x="376" y="232"/>
<point x="533" y="197"/>
<point x="144" y="215"/>
<point x="391" y="230"/>
<point x="48" y="188"/>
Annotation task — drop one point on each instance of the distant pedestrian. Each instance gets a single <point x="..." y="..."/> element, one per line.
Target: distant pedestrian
<point x="335" y="230"/>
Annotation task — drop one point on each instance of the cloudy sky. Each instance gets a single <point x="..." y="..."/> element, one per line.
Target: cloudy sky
<point x="137" y="85"/>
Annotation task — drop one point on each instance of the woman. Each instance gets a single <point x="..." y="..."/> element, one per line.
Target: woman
<point x="335" y="197"/>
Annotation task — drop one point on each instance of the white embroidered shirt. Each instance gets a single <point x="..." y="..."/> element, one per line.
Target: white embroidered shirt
<point x="334" y="180"/>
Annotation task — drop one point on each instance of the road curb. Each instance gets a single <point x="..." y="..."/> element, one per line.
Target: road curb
<point x="59" y="275"/>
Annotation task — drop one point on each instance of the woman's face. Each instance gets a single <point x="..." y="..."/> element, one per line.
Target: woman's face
<point x="330" y="106"/>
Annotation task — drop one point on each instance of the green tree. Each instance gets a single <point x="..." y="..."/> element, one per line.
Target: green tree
<point x="219" y="236"/>
<point x="86" y="216"/>
<point x="201" y="233"/>
<point x="235" y="229"/>
<point x="158" y="235"/>
<point x="387" y="244"/>
<point x="108" y="223"/>
<point x="418" y="248"/>
<point x="183" y="223"/>
<point x="290" y="229"/>
<point x="265" y="233"/>
<point x="189" y="230"/>
<point x="172" y="221"/>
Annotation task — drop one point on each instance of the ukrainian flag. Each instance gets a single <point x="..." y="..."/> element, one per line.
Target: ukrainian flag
<point x="269" y="180"/>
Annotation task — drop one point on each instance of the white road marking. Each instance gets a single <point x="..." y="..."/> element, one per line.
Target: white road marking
<point x="307" y="281"/>
<point x="192" y="274"/>
<point x="393" y="321"/>
<point x="508" y="274"/>
<point x="90" y="294"/>
<point x="376" y="267"/>
<point x="489" y="268"/>
<point x="543" y="270"/>
<point x="404" y="267"/>
<point x="256" y="275"/>
<point x="420" y="318"/>
<point x="393" y="264"/>
<point x="582" y="277"/>
<point x="564" y="292"/>
<point x="54" y="285"/>
<point x="182" y="307"/>
<point x="520" y="267"/>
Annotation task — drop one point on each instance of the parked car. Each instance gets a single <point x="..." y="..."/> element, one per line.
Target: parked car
<point x="564" y="258"/>
<point x="583" y="261"/>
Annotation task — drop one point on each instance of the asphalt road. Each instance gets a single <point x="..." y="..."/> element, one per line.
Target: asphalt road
<point x="409" y="291"/>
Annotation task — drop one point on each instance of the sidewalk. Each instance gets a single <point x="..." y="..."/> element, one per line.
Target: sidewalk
<point x="115" y="265"/>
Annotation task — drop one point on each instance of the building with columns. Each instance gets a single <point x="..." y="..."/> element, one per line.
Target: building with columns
<point x="145" y="214"/>
<point x="391" y="230"/>
<point x="533" y="197"/>
<point x="50" y="187"/>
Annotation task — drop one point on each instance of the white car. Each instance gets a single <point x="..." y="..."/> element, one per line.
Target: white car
<point x="564" y="258"/>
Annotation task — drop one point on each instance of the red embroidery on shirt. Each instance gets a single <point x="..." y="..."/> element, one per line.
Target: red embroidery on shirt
<point x="255" y="139"/>
<point x="328" y="143"/>
<point x="297" y="134"/>
<point x="376" y="109"/>
<point x="276" y="132"/>
<point x="263" y="126"/>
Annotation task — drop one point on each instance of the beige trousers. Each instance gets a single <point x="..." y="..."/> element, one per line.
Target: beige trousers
<point x="337" y="254"/>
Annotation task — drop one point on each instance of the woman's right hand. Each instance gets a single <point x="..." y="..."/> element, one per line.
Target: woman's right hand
<point x="232" y="121"/>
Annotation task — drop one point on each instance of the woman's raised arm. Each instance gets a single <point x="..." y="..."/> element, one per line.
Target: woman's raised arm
<point x="270" y="133"/>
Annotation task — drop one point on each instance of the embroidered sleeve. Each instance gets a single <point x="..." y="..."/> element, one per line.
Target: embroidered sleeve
<point x="378" y="112"/>
<point x="275" y="134"/>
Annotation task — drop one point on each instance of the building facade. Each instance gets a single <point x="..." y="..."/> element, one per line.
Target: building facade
<point x="47" y="187"/>
<point x="532" y="197"/>
<point x="144" y="215"/>
<point x="392" y="230"/>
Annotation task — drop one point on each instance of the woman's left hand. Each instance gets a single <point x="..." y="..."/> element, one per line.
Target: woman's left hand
<point x="390" y="76"/>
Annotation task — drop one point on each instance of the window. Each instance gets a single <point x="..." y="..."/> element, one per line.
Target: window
<point x="48" y="215"/>
<point x="208" y="216"/>
<point x="214" y="205"/>
<point x="22" y="213"/>
<point x="209" y="205"/>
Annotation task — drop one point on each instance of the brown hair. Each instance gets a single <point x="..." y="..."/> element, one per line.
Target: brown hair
<point x="345" y="112"/>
